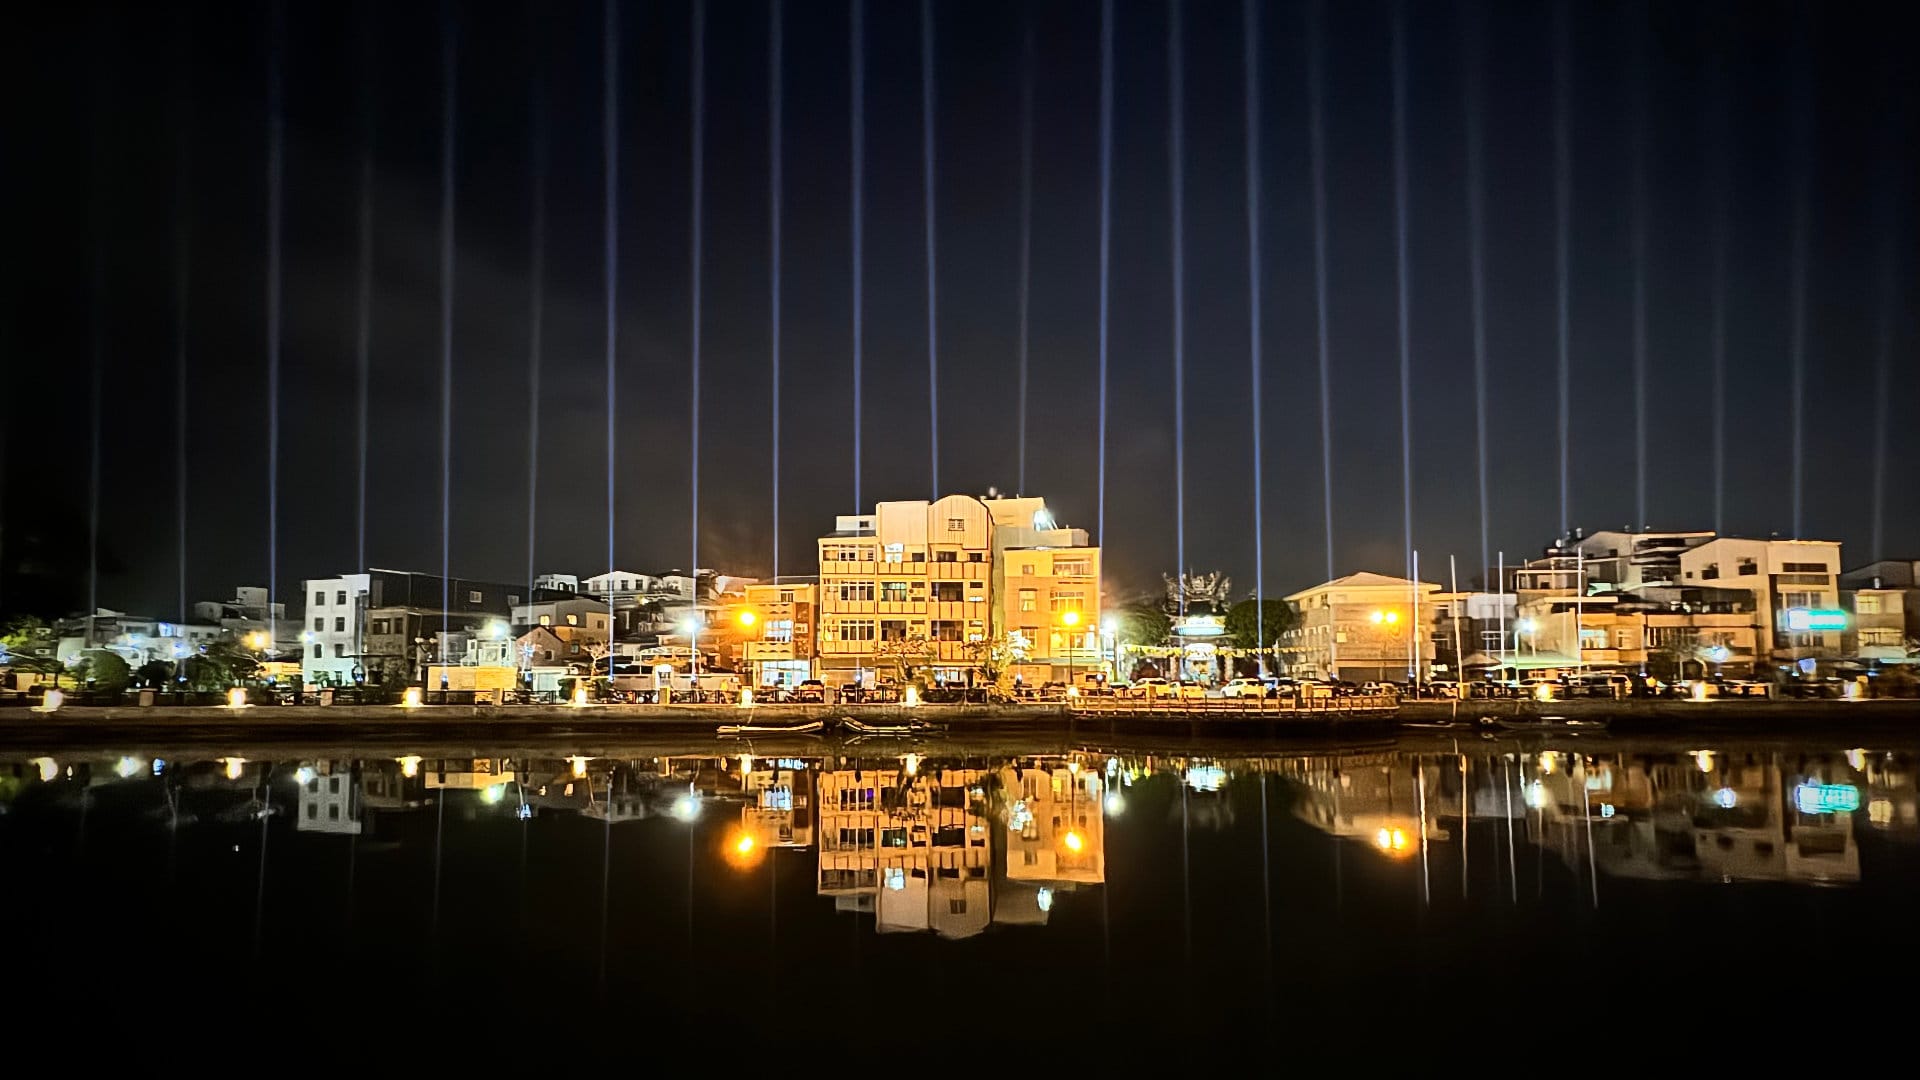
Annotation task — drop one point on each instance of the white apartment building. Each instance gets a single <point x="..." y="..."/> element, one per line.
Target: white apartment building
<point x="1627" y="561"/>
<point x="333" y="637"/>
<point x="1794" y="584"/>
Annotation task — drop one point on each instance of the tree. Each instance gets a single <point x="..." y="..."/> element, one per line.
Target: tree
<point x="28" y="644"/>
<point x="905" y="652"/>
<point x="1142" y="622"/>
<point x="994" y="655"/>
<point x="106" y="670"/>
<point x="1253" y="624"/>
<point x="154" y="674"/>
<point x="218" y="666"/>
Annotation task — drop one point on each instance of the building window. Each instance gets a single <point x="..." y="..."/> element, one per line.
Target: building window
<point x="956" y="524"/>
<point x="473" y="596"/>
<point x="856" y="590"/>
<point x="314" y="652"/>
<point x="856" y="630"/>
<point x="1070" y="568"/>
<point x="546" y="620"/>
<point x="956" y="907"/>
<point x="319" y="599"/>
<point x="893" y="630"/>
<point x="1749" y="567"/>
<point x="893" y="592"/>
<point x="339" y="650"/>
<point x="1029" y="600"/>
<point x="947" y="630"/>
<point x="1801" y="568"/>
<point x="946" y="556"/>
<point x="333" y="813"/>
<point x="1066" y="600"/>
<point x="947" y="592"/>
<point x="918" y="556"/>
<point x="573" y="620"/>
<point x="340" y="597"/>
<point x="976" y="556"/>
<point x="339" y="624"/>
<point x="319" y="622"/>
<point x="1026" y="569"/>
<point x="1879" y="636"/>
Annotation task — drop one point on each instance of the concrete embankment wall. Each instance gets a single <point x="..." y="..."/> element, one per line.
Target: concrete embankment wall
<point x="1672" y="715"/>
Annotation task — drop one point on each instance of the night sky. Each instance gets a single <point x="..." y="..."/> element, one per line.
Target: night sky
<point x="139" y="167"/>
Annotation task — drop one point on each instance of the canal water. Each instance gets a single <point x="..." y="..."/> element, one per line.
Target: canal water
<point x="850" y="895"/>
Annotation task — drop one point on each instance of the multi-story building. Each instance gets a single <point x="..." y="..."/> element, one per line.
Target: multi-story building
<point x="137" y="639"/>
<point x="1794" y="585"/>
<point x="1046" y="585"/>
<point x="334" y="638"/>
<point x="1625" y="561"/>
<point x="1900" y="574"/>
<point x="407" y="612"/>
<point x="777" y="622"/>
<point x="250" y="616"/>
<point x="1363" y="627"/>
<point x="934" y="585"/>
<point x="1876" y="624"/>
<point x="579" y="612"/>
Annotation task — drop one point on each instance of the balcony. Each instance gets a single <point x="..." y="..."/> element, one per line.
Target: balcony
<point x="770" y="650"/>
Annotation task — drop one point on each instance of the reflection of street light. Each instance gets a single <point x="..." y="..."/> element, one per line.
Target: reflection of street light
<point x="747" y="618"/>
<point x="1073" y="841"/>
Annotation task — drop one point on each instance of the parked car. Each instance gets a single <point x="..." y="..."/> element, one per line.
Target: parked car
<point x="810" y="691"/>
<point x="1148" y="688"/>
<point x="1239" y="688"/>
<point x="1187" y="690"/>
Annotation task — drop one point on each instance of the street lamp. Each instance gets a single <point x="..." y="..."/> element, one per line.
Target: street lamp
<point x="1070" y="618"/>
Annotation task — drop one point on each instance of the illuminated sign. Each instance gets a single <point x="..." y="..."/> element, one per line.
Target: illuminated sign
<point x="1826" y="798"/>
<point x="1806" y="619"/>
<point x="1200" y="626"/>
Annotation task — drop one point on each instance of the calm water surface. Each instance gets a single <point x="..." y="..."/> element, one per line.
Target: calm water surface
<point x="858" y="895"/>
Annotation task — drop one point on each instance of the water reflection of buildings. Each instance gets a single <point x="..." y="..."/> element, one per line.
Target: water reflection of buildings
<point x="953" y="850"/>
<point x="909" y="847"/>
<point x="1706" y="816"/>
<point x="779" y="807"/>
<point x="330" y="800"/>
<point x="1377" y="798"/>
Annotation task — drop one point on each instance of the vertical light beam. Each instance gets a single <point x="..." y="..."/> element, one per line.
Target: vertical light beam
<point x="1401" y="271"/>
<point x="536" y="306"/>
<point x="1177" y="197"/>
<point x="1317" y="161"/>
<point x="1799" y="153"/>
<point x="448" y="124"/>
<point x="610" y="249"/>
<point x="1250" y="60"/>
<point x="1718" y="193"/>
<point x="276" y="149"/>
<point x="1891" y="222"/>
<point x="1026" y="233"/>
<point x="775" y="120"/>
<point x="1563" y="216"/>
<point x="696" y="235"/>
<point x="933" y="308"/>
<point x="857" y="210"/>
<point x="182" y="279"/>
<point x="1106" y="242"/>
<point x="1638" y="164"/>
<point x="1476" y="258"/>
<point x="363" y="301"/>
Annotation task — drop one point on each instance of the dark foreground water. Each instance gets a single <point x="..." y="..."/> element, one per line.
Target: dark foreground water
<point x="1578" y="893"/>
